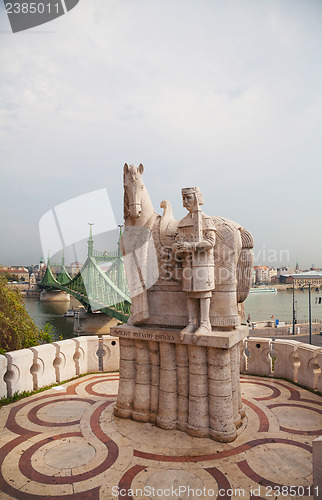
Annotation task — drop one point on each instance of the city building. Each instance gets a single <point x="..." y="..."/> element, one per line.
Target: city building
<point x="285" y="270"/>
<point x="20" y="272"/>
<point x="38" y="269"/>
<point x="272" y="272"/>
<point x="74" y="268"/>
<point x="303" y="278"/>
<point x="262" y="274"/>
<point x="32" y="282"/>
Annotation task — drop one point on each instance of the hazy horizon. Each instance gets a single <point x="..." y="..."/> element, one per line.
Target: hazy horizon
<point x="223" y="95"/>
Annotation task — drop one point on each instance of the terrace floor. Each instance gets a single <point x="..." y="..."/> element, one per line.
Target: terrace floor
<point x="64" y="443"/>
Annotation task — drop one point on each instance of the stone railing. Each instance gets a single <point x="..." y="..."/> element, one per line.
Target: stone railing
<point x="45" y="365"/>
<point x="289" y="359"/>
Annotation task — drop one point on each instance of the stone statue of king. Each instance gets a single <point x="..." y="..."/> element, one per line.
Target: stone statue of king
<point x="195" y="242"/>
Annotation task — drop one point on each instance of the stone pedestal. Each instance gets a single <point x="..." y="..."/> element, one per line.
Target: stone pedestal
<point x="93" y="323"/>
<point x="190" y="385"/>
<point x="54" y="296"/>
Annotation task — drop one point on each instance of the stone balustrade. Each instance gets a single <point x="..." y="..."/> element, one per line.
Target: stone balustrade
<point x="287" y="361"/>
<point x="295" y="361"/>
<point x="3" y="371"/>
<point x="259" y="359"/>
<point x="43" y="368"/>
<point x="309" y="369"/>
<point x="319" y="360"/>
<point x="44" y="365"/>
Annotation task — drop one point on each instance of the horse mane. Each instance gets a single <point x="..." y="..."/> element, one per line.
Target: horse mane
<point x="126" y="199"/>
<point x="125" y="206"/>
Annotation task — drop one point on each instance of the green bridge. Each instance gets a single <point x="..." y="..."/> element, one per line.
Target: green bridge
<point x="95" y="289"/>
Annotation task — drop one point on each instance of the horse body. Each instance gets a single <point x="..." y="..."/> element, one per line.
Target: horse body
<point x="154" y="273"/>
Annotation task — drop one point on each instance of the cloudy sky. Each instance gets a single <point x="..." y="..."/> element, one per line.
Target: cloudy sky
<point x="223" y="94"/>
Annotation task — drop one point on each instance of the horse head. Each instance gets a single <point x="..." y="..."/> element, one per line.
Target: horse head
<point x="133" y="189"/>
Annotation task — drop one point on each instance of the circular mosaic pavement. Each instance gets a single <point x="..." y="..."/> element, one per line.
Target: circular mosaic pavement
<point x="69" y="455"/>
<point x="69" y="446"/>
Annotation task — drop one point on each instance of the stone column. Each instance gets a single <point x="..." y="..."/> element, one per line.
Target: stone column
<point x="222" y="427"/>
<point x="241" y="358"/>
<point x="235" y="383"/>
<point x="167" y="414"/>
<point x="317" y="468"/>
<point x="142" y="390"/>
<point x="182" y="385"/>
<point x="124" y="404"/>
<point x="155" y="379"/>
<point x="198" y="421"/>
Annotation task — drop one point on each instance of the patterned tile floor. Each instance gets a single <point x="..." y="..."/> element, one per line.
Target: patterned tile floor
<point x="65" y="444"/>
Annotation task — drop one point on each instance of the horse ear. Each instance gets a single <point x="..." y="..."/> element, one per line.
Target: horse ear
<point x="141" y="169"/>
<point x="126" y="168"/>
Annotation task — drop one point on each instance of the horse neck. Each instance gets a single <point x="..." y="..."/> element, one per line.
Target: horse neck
<point x="147" y="210"/>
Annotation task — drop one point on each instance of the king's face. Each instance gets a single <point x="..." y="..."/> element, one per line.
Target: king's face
<point x="188" y="201"/>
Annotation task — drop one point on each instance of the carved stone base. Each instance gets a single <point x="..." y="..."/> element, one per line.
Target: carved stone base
<point x="93" y="324"/>
<point x="191" y="385"/>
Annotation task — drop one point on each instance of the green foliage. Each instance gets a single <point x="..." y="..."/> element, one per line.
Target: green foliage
<point x="10" y="277"/>
<point x="16" y="326"/>
<point x="25" y="394"/>
<point x="15" y="397"/>
<point x="45" y="336"/>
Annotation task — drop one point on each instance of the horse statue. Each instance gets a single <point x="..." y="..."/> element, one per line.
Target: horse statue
<point x="154" y="271"/>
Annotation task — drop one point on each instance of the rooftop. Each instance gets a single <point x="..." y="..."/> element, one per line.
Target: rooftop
<point x="306" y="274"/>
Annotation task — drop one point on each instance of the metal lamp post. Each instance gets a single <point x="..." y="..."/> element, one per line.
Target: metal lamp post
<point x="310" y="315"/>
<point x="310" y="312"/>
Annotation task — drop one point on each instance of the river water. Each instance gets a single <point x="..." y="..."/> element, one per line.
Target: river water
<point x="260" y="307"/>
<point x="52" y="313"/>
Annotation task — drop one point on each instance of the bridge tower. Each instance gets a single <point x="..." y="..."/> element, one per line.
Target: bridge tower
<point x="96" y="289"/>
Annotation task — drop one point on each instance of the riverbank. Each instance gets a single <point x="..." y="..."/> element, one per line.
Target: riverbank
<point x="284" y="286"/>
<point x="302" y="333"/>
<point x="263" y="307"/>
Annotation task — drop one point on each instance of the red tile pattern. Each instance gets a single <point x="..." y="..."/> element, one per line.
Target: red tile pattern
<point x="275" y="391"/>
<point x="126" y="481"/>
<point x="262" y="417"/>
<point x="222" y="481"/>
<point x="124" y="461"/>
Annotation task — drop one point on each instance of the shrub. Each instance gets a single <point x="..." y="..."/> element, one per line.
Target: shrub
<point x="17" y="329"/>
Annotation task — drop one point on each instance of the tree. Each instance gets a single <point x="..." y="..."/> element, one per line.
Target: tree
<point x="10" y="277"/>
<point x="17" y="329"/>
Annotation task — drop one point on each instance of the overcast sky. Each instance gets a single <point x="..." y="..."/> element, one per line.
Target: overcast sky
<point x="223" y="94"/>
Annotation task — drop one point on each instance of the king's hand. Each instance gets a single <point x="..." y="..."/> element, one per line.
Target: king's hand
<point x="182" y="246"/>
